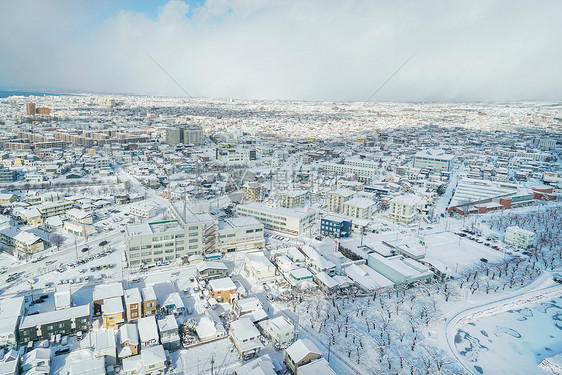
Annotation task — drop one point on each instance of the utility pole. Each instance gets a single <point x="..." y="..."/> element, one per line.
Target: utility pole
<point x="76" y="247"/>
<point x="213" y="365"/>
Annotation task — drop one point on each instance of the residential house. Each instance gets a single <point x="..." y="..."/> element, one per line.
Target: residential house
<point x="151" y="361"/>
<point x="223" y="290"/>
<point x="105" y="291"/>
<point x="259" y="267"/>
<point x="148" y="331"/>
<point x="149" y="301"/>
<point x="279" y="330"/>
<point x="133" y="304"/>
<point x="301" y="352"/>
<point x="79" y="216"/>
<point x="169" y="334"/>
<point x="105" y="346"/>
<point x="11" y="309"/>
<point x="37" y="361"/>
<point x="319" y="366"/>
<point x="245" y="337"/>
<point x="211" y="269"/>
<point x="128" y="337"/>
<point x="112" y="312"/>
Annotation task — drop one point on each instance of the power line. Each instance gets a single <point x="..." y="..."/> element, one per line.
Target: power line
<point x="168" y="74"/>
<point x="389" y="78"/>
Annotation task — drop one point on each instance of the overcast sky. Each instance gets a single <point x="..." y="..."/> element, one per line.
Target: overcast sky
<point x="288" y="49"/>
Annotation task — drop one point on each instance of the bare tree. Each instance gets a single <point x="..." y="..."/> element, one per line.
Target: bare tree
<point x="57" y="240"/>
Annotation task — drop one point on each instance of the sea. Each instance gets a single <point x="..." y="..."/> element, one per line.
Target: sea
<point x="5" y="94"/>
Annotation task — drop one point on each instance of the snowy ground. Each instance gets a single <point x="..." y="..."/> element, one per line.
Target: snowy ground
<point x="513" y="342"/>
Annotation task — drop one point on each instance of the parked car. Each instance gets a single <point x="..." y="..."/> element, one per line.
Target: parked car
<point x="484" y="260"/>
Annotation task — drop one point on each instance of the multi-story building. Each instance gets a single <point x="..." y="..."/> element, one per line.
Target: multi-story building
<point x="365" y="175"/>
<point x="279" y="330"/>
<point x="291" y="198"/>
<point x="149" y="301"/>
<point x="292" y="221"/>
<point x="227" y="153"/>
<point x="331" y="225"/>
<point x="336" y="199"/>
<point x="49" y="209"/>
<point x="188" y="233"/>
<point x="404" y="209"/>
<point x="241" y="233"/>
<point x="361" y="208"/>
<point x="7" y="175"/>
<point x="253" y="192"/>
<point x="30" y="108"/>
<point x="519" y="237"/>
<point x="155" y="242"/>
<point x="133" y="304"/>
<point x="435" y="159"/>
<point x="191" y="134"/>
<point x="45" y="325"/>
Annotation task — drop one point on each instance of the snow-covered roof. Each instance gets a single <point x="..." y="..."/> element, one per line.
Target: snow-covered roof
<point x="301" y="273"/>
<point x="244" y="329"/>
<point x="300" y="349"/>
<point x="147" y="329"/>
<point x="211" y="264"/>
<point x="11" y="306"/>
<point x="105" y="340"/>
<point x="367" y="278"/>
<point x="248" y="304"/>
<point x="281" y="323"/>
<point x="326" y="279"/>
<point x="262" y="365"/>
<point x="104" y="291"/>
<point x="148" y="293"/>
<point x="128" y="332"/>
<point x="153" y="355"/>
<point x="113" y="305"/>
<point x="167" y="323"/>
<point x="224" y="283"/>
<point x="132" y="296"/>
<point x="27" y="238"/>
<point x="174" y="300"/>
<point x="78" y="213"/>
<point x="206" y="328"/>
<point x="318" y="367"/>
<point x="55" y="316"/>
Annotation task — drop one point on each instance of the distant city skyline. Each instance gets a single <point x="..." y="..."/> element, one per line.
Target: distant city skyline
<point x="305" y="50"/>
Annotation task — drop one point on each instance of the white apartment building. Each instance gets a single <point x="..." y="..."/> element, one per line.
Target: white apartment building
<point x="336" y="199"/>
<point x="287" y="220"/>
<point x="155" y="242"/>
<point x="291" y="198"/>
<point x="361" y="208"/>
<point x="143" y="210"/>
<point x="241" y="233"/>
<point x="404" y="209"/>
<point x="519" y="237"/>
<point x="362" y="174"/>
<point x="49" y="209"/>
<point x="436" y="159"/>
<point x="227" y="153"/>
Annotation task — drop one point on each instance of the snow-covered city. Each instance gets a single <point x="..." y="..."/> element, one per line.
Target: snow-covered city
<point x="315" y="187"/>
<point x="152" y="235"/>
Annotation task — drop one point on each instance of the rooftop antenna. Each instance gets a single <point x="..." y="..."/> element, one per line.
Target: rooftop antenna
<point x="389" y="78"/>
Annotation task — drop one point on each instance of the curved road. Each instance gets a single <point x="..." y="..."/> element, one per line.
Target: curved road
<point x="450" y="326"/>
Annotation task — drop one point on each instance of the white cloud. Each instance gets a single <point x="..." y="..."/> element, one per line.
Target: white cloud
<point x="307" y="49"/>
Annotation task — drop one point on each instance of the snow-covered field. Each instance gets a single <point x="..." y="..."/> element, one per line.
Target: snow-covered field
<point x="513" y="342"/>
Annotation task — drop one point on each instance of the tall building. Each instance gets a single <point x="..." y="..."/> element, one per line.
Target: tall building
<point x="404" y="209"/>
<point x="30" y="108"/>
<point x="191" y="134"/>
<point x="253" y="192"/>
<point x="43" y="110"/>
